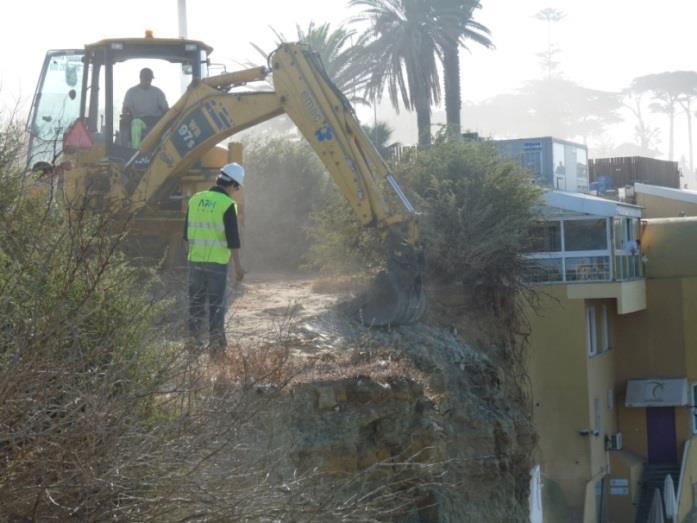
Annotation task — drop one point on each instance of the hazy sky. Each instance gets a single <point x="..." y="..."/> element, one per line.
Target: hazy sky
<point x="603" y="43"/>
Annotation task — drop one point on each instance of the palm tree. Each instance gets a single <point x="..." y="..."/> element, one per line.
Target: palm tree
<point x="454" y="18"/>
<point x="339" y="53"/>
<point x="381" y="135"/>
<point x="402" y="55"/>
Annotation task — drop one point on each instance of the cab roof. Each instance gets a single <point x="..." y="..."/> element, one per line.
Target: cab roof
<point x="147" y="42"/>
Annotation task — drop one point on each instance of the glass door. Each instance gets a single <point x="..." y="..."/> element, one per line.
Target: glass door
<point x="56" y="104"/>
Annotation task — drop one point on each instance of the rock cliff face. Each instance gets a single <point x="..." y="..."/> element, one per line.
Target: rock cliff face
<point x="412" y="421"/>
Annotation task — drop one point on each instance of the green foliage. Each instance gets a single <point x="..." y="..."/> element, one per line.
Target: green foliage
<point x="342" y="58"/>
<point x="401" y="51"/>
<point x="477" y="210"/>
<point x="286" y="183"/>
<point x="339" y="243"/>
<point x="381" y="136"/>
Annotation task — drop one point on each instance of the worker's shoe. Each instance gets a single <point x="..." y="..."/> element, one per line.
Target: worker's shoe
<point x="217" y="346"/>
<point x="193" y="346"/>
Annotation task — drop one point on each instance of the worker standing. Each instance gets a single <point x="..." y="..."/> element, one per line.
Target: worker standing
<point x="213" y="235"/>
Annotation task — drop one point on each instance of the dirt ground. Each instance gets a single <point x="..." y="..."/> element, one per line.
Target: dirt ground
<point x="266" y="306"/>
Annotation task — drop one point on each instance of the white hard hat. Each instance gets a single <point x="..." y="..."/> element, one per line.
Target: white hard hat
<point x="232" y="172"/>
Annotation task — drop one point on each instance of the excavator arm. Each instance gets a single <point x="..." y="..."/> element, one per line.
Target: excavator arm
<point x="208" y="113"/>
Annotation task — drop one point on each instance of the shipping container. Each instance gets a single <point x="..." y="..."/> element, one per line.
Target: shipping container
<point x="615" y="173"/>
<point x="556" y="164"/>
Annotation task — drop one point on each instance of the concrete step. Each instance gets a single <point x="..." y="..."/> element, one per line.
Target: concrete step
<point x="653" y="478"/>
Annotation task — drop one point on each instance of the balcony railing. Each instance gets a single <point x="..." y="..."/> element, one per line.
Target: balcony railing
<point x="576" y="267"/>
<point x="628" y="267"/>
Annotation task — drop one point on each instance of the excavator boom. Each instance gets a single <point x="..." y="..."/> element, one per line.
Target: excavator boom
<point x="214" y="108"/>
<point x="328" y="122"/>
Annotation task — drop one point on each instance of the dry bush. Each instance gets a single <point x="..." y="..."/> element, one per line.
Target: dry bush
<point x="79" y="368"/>
<point x="103" y="419"/>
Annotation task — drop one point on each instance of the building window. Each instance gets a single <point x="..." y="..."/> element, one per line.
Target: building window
<point x="585" y="235"/>
<point x="588" y="268"/>
<point x="577" y="250"/>
<point x="693" y="408"/>
<point x="591" y="331"/>
<point x="581" y="169"/>
<point x="607" y="343"/>
<point x="545" y="237"/>
<point x="597" y="417"/>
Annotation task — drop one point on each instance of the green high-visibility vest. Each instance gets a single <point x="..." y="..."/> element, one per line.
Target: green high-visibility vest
<point x="206" y="229"/>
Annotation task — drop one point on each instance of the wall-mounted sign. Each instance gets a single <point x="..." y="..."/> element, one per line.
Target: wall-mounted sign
<point x="657" y="392"/>
<point x="619" y="482"/>
<point x="619" y="491"/>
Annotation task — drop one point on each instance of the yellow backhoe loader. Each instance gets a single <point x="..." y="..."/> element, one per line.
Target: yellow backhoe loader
<point x="73" y="131"/>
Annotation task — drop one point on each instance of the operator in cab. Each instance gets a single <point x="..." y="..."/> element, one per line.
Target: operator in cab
<point x="213" y="235"/>
<point x="143" y="106"/>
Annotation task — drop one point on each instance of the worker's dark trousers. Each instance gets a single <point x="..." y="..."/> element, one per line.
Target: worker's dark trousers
<point x="207" y="282"/>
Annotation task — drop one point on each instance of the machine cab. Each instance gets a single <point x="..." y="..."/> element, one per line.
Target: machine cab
<point x="84" y="90"/>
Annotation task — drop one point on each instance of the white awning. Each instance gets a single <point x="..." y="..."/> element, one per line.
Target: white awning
<point x="657" y="393"/>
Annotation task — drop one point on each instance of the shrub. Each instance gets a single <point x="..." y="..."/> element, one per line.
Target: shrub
<point x="476" y="212"/>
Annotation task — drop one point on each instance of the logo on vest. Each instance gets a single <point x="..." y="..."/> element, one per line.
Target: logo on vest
<point x="206" y="204"/>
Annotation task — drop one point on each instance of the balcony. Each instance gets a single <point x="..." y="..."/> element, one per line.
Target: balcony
<point x="570" y="267"/>
<point x="592" y="245"/>
<point x="585" y="249"/>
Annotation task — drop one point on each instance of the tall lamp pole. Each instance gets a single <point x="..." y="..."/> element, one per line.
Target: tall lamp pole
<point x="181" y="11"/>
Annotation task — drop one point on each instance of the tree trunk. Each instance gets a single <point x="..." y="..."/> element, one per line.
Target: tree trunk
<point x="453" y="99"/>
<point x="671" y="132"/>
<point x="423" y="122"/>
<point x="422" y="105"/>
<point x="688" y="113"/>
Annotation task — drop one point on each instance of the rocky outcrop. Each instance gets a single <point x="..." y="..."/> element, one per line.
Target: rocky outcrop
<point x="423" y="419"/>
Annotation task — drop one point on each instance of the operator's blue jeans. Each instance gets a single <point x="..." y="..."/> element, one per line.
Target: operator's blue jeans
<point x="207" y="283"/>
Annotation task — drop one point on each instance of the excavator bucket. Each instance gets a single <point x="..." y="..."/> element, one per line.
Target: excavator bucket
<point x="396" y="296"/>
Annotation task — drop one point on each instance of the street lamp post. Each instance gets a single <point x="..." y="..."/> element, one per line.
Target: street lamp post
<point x="181" y="11"/>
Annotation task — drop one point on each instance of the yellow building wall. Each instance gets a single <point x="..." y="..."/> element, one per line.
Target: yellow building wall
<point x="650" y="343"/>
<point x="657" y="207"/>
<point x="626" y="467"/>
<point x="565" y="383"/>
<point x="632" y="424"/>
<point x="689" y="316"/>
<point x="682" y="427"/>
<point x="601" y="376"/>
<point x="670" y="247"/>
